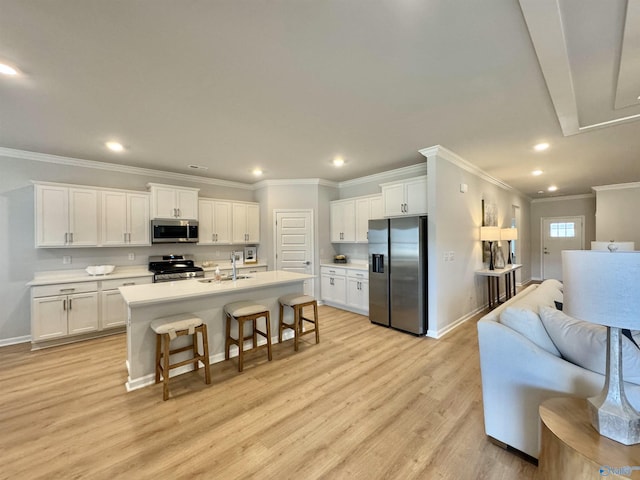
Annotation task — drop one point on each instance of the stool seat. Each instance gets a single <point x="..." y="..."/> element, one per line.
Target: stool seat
<point x="174" y="323"/>
<point x="168" y="329"/>
<point x="298" y="301"/>
<point x="293" y="299"/>
<point x="243" y="309"/>
<point x="241" y="312"/>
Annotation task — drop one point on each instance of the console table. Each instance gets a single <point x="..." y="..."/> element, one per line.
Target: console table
<point x="572" y="448"/>
<point x="493" y="282"/>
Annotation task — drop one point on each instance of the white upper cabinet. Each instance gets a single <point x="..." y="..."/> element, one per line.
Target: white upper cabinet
<point x="343" y="220"/>
<point x="66" y="216"/>
<point x="366" y="208"/>
<point x="173" y="202"/>
<point x="408" y="197"/>
<point x="125" y="218"/>
<point x="246" y="222"/>
<point x="214" y="220"/>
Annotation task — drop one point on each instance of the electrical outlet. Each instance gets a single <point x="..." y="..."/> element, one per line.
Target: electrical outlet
<point x="66" y="259"/>
<point x="132" y="256"/>
<point x="452" y="256"/>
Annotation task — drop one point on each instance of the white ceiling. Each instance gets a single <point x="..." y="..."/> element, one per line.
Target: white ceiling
<point x="286" y="85"/>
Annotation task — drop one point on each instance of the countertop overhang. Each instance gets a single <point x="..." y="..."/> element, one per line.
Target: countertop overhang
<point x="155" y="293"/>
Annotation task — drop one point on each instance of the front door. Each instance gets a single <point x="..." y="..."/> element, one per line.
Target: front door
<point x="559" y="233"/>
<point x="294" y="243"/>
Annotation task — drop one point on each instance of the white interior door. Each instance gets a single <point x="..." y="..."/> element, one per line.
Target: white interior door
<point x="559" y="233"/>
<point x="294" y="243"/>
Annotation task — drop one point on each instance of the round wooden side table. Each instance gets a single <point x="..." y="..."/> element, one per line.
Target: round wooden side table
<point x="572" y="448"/>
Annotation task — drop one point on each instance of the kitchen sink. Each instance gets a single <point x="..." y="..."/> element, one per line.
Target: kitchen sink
<point x="224" y="279"/>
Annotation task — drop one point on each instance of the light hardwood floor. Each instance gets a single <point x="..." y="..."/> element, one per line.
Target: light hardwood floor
<point x="366" y="403"/>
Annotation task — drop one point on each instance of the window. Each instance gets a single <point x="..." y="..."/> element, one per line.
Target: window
<point x="562" y="230"/>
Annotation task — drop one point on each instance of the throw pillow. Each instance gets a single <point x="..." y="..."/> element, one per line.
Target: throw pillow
<point x="527" y="323"/>
<point x="559" y="306"/>
<point x="585" y="344"/>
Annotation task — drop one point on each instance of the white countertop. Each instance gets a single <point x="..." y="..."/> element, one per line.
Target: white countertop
<point x="352" y="266"/>
<point x="138" y="295"/>
<point x="72" y="276"/>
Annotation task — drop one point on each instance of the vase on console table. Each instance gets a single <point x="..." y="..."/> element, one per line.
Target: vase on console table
<point x="499" y="260"/>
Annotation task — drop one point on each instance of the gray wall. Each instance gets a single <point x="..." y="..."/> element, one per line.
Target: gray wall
<point x="616" y="218"/>
<point x="579" y="205"/>
<point x="455" y="292"/>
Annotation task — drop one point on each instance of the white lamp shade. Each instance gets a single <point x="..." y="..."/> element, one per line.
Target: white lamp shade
<point x="509" y="234"/>
<point x="602" y="287"/>
<point x="489" y="234"/>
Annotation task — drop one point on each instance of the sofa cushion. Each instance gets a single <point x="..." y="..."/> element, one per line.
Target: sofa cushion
<point x="585" y="344"/>
<point x="527" y="322"/>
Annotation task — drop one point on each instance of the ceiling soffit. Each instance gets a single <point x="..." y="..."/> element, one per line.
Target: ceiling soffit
<point x="589" y="54"/>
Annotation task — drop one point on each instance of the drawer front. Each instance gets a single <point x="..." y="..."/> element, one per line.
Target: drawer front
<point x="64" y="289"/>
<point x="124" y="282"/>
<point x="333" y="271"/>
<point x="360" y="274"/>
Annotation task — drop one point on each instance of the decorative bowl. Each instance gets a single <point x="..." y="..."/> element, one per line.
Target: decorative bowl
<point x="100" y="269"/>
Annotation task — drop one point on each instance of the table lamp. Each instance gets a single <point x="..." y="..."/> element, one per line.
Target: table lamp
<point x="509" y="234"/>
<point x="490" y="234"/>
<point x="602" y="287"/>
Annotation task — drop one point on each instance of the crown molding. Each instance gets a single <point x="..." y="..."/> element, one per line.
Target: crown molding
<point x="563" y="198"/>
<point x="413" y="170"/>
<point x="618" y="186"/>
<point x="112" y="167"/>
<point x="444" y="153"/>
<point x="294" y="182"/>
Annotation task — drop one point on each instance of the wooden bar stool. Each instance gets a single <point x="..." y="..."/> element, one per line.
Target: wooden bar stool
<point x="169" y="328"/>
<point x="297" y="302"/>
<point x="246" y="312"/>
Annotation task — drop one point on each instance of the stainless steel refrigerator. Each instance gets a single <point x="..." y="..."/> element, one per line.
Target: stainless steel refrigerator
<point x="398" y="273"/>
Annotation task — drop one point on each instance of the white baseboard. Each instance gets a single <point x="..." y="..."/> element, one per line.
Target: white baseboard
<point x="452" y="326"/>
<point x="5" y="342"/>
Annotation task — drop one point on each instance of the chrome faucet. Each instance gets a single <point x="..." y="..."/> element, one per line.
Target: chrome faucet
<point x="233" y="266"/>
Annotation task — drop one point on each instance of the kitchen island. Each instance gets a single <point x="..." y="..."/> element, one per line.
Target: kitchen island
<point x="204" y="298"/>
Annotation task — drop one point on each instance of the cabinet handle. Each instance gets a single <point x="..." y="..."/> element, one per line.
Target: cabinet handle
<point x="331" y="281"/>
<point x="70" y="304"/>
<point x="64" y="305"/>
<point x="128" y="284"/>
<point x="71" y="237"/>
<point x="67" y="290"/>
<point x="125" y="237"/>
<point x="179" y="213"/>
<point x="66" y="238"/>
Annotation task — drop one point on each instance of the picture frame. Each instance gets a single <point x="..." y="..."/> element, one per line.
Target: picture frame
<point x="250" y="254"/>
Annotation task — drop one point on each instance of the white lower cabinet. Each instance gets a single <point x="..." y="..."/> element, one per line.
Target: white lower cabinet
<point x="358" y="290"/>
<point x="333" y="285"/>
<point x="113" y="310"/>
<point x="346" y="288"/>
<point x="61" y="311"/>
<point x="243" y="270"/>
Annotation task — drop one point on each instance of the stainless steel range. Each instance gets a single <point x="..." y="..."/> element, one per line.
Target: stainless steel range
<point x="169" y="268"/>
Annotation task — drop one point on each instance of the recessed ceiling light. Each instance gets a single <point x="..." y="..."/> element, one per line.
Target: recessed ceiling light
<point x="540" y="147"/>
<point x="198" y="167"/>
<point x="540" y="191"/>
<point x="7" y="70"/>
<point x="552" y="188"/>
<point x="338" y="162"/>
<point x="536" y="173"/>
<point x="257" y="172"/>
<point x="114" y="146"/>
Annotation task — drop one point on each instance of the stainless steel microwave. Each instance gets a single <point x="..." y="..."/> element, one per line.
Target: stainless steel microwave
<point x="174" y="231"/>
